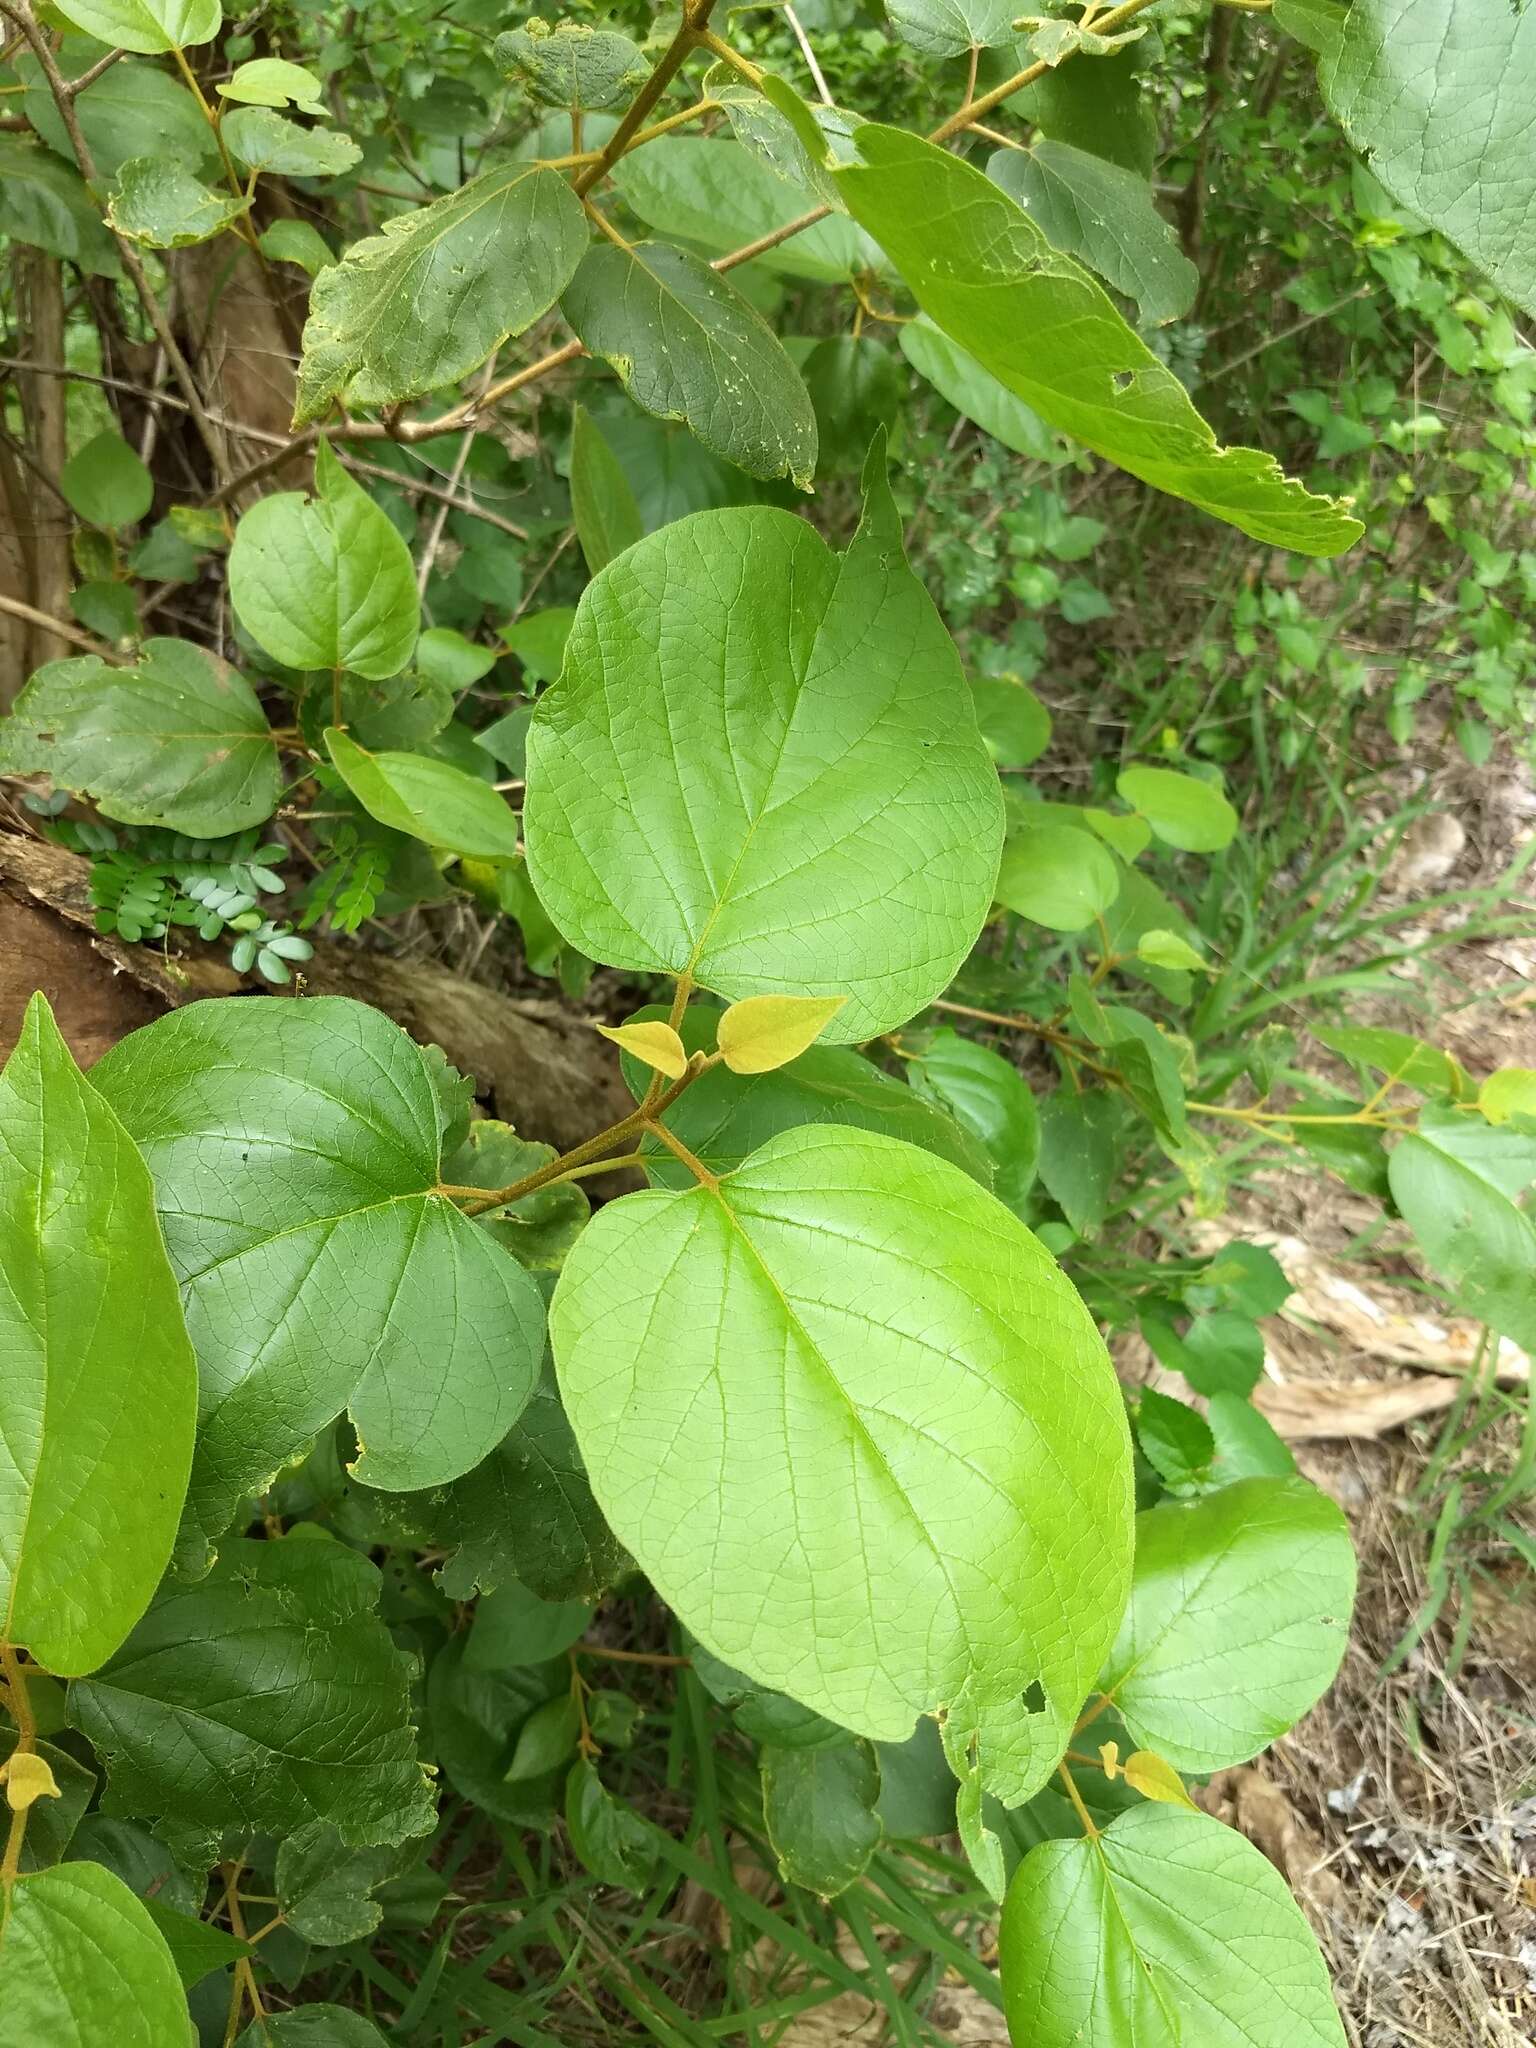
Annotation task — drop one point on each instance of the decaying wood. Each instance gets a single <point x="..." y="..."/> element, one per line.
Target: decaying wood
<point x="535" y="1063"/>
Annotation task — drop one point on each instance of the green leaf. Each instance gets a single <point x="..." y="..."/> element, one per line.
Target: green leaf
<point x="1319" y="24"/>
<point x="1237" y="1623"/>
<point x="1399" y="1057"/>
<point x="106" y="483"/>
<point x="948" y="28"/>
<point x="325" y="1887"/>
<point x="980" y="269"/>
<point x="1247" y="1446"/>
<point x="83" y="1963"/>
<point x="1167" y="1927"/>
<point x="1169" y="950"/>
<point x="45" y="204"/>
<point x="612" y="1840"/>
<point x="295" y="1148"/>
<point x="539" y="1229"/>
<point x="1057" y="876"/>
<point x="325" y="582"/>
<point x="834" y="692"/>
<point x="98" y="1390"/>
<point x="1103" y="215"/>
<point x="1175" y="1441"/>
<point x="196" y="1949"/>
<point x="179" y="739"/>
<point x="527" y="1512"/>
<point x="1100" y="107"/>
<point x="1473" y="1236"/>
<point x="1219" y="1353"/>
<point x="417" y="307"/>
<point x="1181" y="809"/>
<point x="602" y="504"/>
<point x="820" y="1809"/>
<point x="476" y="1719"/>
<point x="1511" y="1092"/>
<point x="151" y="27"/>
<point x="687" y="346"/>
<point x="722" y="196"/>
<point x="514" y="1626"/>
<point x="162" y="204"/>
<point x="1014" y="723"/>
<point x="266" y="141"/>
<point x="958" y="376"/>
<point x="572" y="65"/>
<point x="296" y="241"/>
<point x="134" y="109"/>
<point x="312" y="2026"/>
<point x="988" y="1096"/>
<point x="725" y="1116"/>
<point x="856" y="389"/>
<point x="1080" y="1146"/>
<point x="1436" y="95"/>
<point x="265" y="1696"/>
<point x="427" y="798"/>
<point x="895" y="1461"/>
<point x="273" y="82"/>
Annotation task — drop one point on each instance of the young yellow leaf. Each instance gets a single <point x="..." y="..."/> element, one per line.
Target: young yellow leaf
<point x="1146" y="1773"/>
<point x="27" y="1777"/>
<point x="763" y="1032"/>
<point x="654" y="1042"/>
<point x="1109" y="1759"/>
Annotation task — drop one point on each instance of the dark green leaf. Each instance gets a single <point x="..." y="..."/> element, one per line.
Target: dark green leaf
<point x="44" y="203"/>
<point x="162" y="204"/>
<point x="988" y="1096"/>
<point x="602" y="504"/>
<point x="266" y="1696"/>
<point x="572" y="65"/>
<point x="820" y="1809"/>
<point x="265" y="141"/>
<point x="1103" y="215"/>
<point x="326" y="1888"/>
<point x="417" y="307"/>
<point x="687" y="346"/>
<point x="948" y="28"/>
<point x="196" y="1949"/>
<point x="106" y="483"/>
<point x="611" y="1839"/>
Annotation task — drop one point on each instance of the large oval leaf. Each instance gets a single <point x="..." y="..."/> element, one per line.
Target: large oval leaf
<point x="295" y="1148"/>
<point x="981" y="269"/>
<point x="98" y="1389"/>
<point x="761" y="766"/>
<point x="1165" y="1928"/>
<point x="862" y="1435"/>
<point x="179" y="739"/>
<point x="430" y="799"/>
<point x="82" y="1962"/>
<point x="1238" y="1618"/>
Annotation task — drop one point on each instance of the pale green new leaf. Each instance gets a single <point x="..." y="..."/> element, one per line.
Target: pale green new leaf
<point x="178" y="739"/>
<point x="44" y="203"/>
<point x="1437" y="95"/>
<point x="98" y="1387"/>
<point x="857" y="1385"/>
<point x="417" y="307"/>
<point x="1183" y="810"/>
<point x="1104" y="215"/>
<point x="162" y="204"/>
<point x="295" y="1148"/>
<point x="603" y="507"/>
<point x="1057" y="875"/>
<point x="151" y="27"/>
<point x="265" y="1696"/>
<point x="721" y="195"/>
<point x="948" y="28"/>
<point x="687" y="346"/>
<point x="1237" y="1622"/>
<point x="760" y="765"/>
<point x="326" y="582"/>
<point x="430" y="799"/>
<point x="82" y="1963"/>
<point x="273" y="82"/>
<point x="980" y="269"/>
<point x="970" y="389"/>
<point x="1166" y="1929"/>
<point x="819" y="1807"/>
